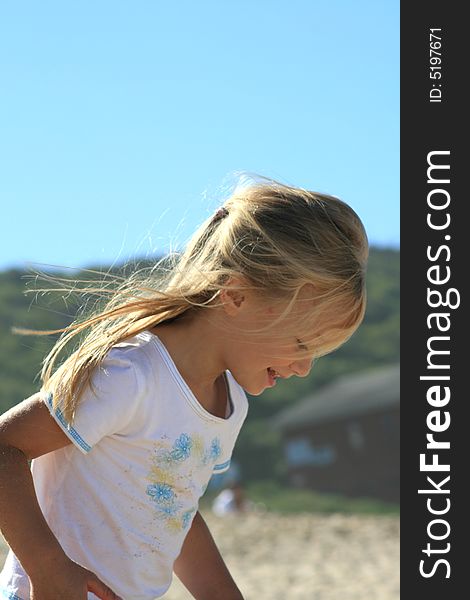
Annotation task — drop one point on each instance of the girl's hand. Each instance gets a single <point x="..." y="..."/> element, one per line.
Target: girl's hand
<point x="71" y="582"/>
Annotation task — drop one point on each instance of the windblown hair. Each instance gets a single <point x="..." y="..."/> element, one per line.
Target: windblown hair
<point x="273" y="238"/>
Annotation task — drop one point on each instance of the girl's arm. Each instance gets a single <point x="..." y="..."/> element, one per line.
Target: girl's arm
<point x="26" y="432"/>
<point x="201" y="567"/>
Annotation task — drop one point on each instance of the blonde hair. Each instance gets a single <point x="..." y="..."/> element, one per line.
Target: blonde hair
<point x="274" y="238"/>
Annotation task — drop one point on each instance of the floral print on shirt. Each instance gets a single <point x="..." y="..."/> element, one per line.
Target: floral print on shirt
<point x="168" y="482"/>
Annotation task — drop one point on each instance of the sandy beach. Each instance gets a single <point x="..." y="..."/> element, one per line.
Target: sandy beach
<point x="307" y="557"/>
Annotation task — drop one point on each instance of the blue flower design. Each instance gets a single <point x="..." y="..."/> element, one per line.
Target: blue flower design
<point x="170" y="510"/>
<point x="215" y="449"/>
<point x="161" y="493"/>
<point x="186" y="518"/>
<point x="182" y="447"/>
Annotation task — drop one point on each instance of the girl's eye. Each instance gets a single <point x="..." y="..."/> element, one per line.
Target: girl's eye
<point x="301" y="345"/>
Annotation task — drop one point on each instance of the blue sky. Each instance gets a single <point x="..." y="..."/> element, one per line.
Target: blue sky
<point x="120" y="121"/>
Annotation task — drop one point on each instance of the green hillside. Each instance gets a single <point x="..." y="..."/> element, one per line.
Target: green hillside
<point x="375" y="343"/>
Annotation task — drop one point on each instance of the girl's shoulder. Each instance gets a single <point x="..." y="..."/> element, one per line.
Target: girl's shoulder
<point x="128" y="369"/>
<point x="137" y="351"/>
<point x="140" y="359"/>
<point x="137" y="342"/>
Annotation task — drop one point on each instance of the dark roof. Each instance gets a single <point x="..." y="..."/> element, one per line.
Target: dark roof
<point x="349" y="395"/>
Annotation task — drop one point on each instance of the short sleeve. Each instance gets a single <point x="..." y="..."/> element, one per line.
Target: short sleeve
<point x="222" y="467"/>
<point x="108" y="402"/>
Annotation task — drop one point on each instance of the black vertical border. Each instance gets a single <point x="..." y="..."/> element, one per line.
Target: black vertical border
<point x="425" y="127"/>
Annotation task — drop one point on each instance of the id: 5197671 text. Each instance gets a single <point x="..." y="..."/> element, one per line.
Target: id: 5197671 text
<point x="435" y="65"/>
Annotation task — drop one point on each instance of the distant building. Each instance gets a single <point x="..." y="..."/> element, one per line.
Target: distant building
<point x="345" y="438"/>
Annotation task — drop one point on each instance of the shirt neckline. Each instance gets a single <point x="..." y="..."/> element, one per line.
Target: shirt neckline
<point x="187" y="390"/>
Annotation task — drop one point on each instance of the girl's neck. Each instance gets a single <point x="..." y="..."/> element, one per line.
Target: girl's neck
<point x="194" y="348"/>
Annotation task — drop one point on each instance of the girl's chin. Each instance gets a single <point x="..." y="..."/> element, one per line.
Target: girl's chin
<point x="255" y="392"/>
<point x="256" y="389"/>
<point x="259" y="389"/>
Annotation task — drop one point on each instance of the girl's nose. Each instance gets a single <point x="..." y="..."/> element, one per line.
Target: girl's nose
<point x="302" y="368"/>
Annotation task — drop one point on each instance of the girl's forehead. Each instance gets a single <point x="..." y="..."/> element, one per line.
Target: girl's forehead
<point x="298" y="322"/>
<point x="291" y="312"/>
<point x="301" y="316"/>
<point x="303" y="303"/>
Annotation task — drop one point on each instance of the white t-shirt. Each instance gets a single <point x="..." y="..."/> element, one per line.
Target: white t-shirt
<point x="122" y="497"/>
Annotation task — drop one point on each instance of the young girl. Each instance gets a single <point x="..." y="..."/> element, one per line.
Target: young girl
<point x="126" y="432"/>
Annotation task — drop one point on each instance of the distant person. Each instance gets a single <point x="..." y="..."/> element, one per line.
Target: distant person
<point x="126" y="432"/>
<point x="230" y="500"/>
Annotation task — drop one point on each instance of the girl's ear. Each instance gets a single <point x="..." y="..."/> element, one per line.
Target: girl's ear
<point x="233" y="296"/>
<point x="232" y="301"/>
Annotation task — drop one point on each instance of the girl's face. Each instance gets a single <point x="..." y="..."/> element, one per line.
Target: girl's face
<point x="258" y="365"/>
<point x="257" y="358"/>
